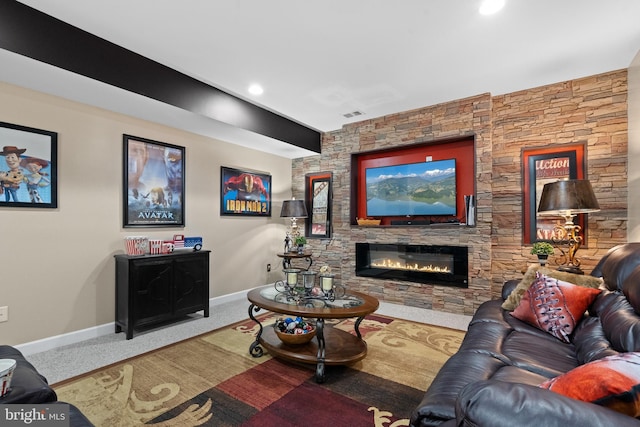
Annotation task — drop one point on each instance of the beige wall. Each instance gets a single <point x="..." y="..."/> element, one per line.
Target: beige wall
<point x="57" y="265"/>
<point x="634" y="150"/>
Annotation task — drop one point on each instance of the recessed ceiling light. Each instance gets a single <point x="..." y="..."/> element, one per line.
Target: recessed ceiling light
<point x="489" y="7"/>
<point x="255" y="89"/>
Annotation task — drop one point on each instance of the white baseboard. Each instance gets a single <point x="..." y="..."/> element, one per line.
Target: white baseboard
<point x="56" y="341"/>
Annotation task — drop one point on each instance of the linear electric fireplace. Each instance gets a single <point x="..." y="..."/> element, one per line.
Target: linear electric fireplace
<point x="429" y="264"/>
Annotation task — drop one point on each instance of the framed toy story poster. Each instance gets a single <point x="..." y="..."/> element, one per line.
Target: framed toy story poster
<point x="28" y="167"/>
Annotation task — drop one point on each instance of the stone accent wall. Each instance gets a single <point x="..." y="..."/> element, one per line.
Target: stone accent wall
<point x="592" y="109"/>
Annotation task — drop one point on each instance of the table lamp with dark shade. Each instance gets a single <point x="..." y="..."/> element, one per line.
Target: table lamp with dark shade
<point x="568" y="198"/>
<point x="293" y="209"/>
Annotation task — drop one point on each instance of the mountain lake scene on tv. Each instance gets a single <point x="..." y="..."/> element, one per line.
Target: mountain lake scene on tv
<point x="427" y="188"/>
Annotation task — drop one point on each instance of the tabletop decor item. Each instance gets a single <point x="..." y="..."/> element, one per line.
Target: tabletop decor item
<point x="136" y="245"/>
<point x="542" y="250"/>
<point x="368" y="221"/>
<point x="300" y="241"/>
<point x="300" y="290"/>
<point x="309" y="280"/>
<point x="7" y="366"/>
<point x="294" y="331"/>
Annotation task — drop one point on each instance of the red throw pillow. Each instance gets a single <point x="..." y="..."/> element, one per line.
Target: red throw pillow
<point x="554" y="306"/>
<point x="612" y="381"/>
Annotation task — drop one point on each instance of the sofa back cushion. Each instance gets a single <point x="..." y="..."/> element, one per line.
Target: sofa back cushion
<point x="617" y="264"/>
<point x="614" y="328"/>
<point x="631" y="289"/>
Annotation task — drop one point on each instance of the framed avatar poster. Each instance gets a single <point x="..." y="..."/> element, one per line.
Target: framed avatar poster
<point x="244" y="192"/>
<point x="28" y="167"/>
<point x="153" y="183"/>
<point x="542" y="166"/>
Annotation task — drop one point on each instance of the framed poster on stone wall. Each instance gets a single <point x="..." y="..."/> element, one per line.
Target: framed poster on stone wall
<point x="539" y="167"/>
<point x="318" y="195"/>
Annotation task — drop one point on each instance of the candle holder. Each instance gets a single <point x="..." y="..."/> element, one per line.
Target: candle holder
<point x="290" y="285"/>
<point x="330" y="290"/>
<point x="309" y="281"/>
<point x="296" y="289"/>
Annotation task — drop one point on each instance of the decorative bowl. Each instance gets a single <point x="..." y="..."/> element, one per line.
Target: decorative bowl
<point x="296" y="339"/>
<point x="294" y="331"/>
<point x="368" y="221"/>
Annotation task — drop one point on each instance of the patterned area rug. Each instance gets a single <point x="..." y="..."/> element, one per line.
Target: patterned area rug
<point x="212" y="380"/>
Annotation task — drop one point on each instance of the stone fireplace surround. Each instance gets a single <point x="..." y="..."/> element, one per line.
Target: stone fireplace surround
<point x="591" y="109"/>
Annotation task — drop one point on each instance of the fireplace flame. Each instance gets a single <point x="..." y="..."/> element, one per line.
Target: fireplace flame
<point x="397" y="265"/>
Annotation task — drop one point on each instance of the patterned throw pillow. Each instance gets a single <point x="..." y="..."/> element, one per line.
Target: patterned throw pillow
<point x="554" y="306"/>
<point x="514" y="298"/>
<point x="612" y="381"/>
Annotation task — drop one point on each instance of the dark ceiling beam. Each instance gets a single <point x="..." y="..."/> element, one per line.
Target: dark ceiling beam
<point x="31" y="33"/>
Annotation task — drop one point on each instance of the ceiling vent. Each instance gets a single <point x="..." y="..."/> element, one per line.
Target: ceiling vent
<point x="353" y="114"/>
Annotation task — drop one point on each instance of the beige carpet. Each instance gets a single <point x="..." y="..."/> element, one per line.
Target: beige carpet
<point x="212" y="380"/>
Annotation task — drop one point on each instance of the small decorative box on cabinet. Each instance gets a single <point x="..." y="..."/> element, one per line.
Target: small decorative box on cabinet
<point x="154" y="289"/>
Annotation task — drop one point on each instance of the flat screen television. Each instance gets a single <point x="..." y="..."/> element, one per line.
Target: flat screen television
<point x="412" y="189"/>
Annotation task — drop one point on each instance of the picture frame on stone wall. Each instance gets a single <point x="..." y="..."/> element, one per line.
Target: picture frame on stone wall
<point x="153" y="183"/>
<point x="29" y="171"/>
<point x="539" y="167"/>
<point x="318" y="197"/>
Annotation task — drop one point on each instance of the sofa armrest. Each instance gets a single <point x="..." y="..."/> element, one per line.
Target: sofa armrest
<point x="27" y="385"/>
<point x="501" y="404"/>
<point x="508" y="287"/>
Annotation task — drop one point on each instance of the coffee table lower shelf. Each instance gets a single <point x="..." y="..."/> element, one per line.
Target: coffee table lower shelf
<point x="341" y="348"/>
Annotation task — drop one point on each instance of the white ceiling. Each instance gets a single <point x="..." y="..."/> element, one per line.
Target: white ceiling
<point x="320" y="60"/>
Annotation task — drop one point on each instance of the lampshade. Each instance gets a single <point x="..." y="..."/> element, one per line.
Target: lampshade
<point x="570" y="196"/>
<point x="293" y="209"/>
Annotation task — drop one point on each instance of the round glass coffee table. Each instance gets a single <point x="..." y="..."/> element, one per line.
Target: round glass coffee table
<point x="330" y="346"/>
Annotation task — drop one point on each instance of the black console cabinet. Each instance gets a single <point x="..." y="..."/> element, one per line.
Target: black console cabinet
<point x="152" y="289"/>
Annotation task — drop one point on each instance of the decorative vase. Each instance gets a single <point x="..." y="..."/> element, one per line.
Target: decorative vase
<point x="542" y="259"/>
<point x="300" y="249"/>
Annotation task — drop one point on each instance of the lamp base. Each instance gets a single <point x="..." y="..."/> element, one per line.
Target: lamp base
<point x="570" y="269"/>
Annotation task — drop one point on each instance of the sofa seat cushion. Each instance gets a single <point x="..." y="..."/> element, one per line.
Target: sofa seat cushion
<point x="538" y="355"/>
<point x="613" y="382"/>
<point x="590" y="341"/>
<point x="464" y="367"/>
<point x="513" y="374"/>
<point x="502" y="404"/>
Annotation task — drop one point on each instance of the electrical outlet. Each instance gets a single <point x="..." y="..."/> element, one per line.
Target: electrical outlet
<point x="268" y="268"/>
<point x="4" y="314"/>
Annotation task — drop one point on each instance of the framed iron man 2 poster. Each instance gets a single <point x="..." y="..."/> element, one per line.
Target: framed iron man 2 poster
<point x="244" y="192"/>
